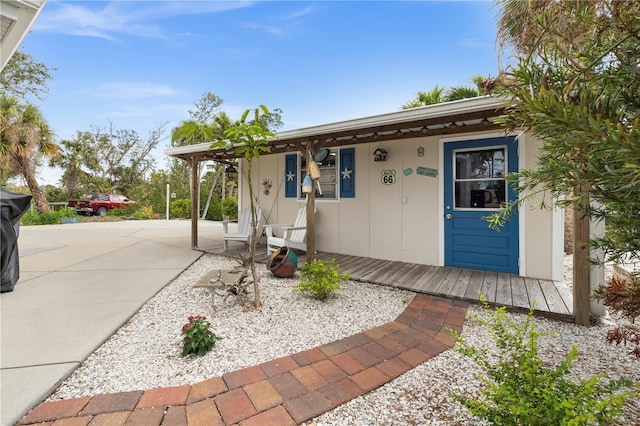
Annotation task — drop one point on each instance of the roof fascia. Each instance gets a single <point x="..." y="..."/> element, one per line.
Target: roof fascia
<point x="463" y="106"/>
<point x="23" y="13"/>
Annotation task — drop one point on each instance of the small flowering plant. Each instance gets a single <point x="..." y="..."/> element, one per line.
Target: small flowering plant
<point x="196" y="336"/>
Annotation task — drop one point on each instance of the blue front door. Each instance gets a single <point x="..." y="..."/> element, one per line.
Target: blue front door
<point x="475" y="187"/>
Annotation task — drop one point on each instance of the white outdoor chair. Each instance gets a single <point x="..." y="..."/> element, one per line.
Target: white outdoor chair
<point x="293" y="235"/>
<point x="243" y="234"/>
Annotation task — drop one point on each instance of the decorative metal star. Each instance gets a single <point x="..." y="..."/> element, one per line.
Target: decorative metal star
<point x="346" y="173"/>
<point x="290" y="176"/>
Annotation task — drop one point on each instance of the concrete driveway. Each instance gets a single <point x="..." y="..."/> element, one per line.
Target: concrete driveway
<point x="78" y="284"/>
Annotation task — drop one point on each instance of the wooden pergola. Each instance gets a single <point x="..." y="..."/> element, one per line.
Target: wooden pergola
<point x="452" y="118"/>
<point x="435" y="120"/>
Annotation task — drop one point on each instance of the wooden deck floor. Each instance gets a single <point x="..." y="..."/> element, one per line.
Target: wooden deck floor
<point x="515" y="292"/>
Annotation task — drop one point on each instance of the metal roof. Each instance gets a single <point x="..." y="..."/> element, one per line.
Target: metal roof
<point x="463" y="116"/>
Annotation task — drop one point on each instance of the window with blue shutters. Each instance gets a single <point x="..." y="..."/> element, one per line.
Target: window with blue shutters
<point x="347" y="173"/>
<point x="337" y="175"/>
<point x="290" y="175"/>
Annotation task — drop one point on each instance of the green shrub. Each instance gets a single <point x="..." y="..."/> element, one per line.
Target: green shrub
<point x="197" y="338"/>
<point x="521" y="389"/>
<point x="137" y="211"/>
<point x="218" y="210"/>
<point x="181" y="209"/>
<point x="230" y="207"/>
<point x="215" y="211"/>
<point x="50" y="217"/>
<point x="145" y="212"/>
<point x="320" y="279"/>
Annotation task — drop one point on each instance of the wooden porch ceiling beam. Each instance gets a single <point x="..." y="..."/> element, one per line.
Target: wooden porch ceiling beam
<point x="415" y="133"/>
<point x="403" y="125"/>
<point x="447" y="125"/>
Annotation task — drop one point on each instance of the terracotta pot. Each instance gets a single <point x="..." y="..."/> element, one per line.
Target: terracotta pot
<point x="283" y="263"/>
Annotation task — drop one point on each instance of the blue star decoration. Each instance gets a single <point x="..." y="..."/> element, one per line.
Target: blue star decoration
<point x="346" y="173"/>
<point x="290" y="176"/>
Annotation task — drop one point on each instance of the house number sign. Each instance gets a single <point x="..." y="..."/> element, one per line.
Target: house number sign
<point x="388" y="177"/>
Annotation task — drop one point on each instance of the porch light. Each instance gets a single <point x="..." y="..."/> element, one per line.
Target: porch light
<point x="230" y="169"/>
<point x="379" y="155"/>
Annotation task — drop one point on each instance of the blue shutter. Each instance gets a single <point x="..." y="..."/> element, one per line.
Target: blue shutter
<point x="347" y="173"/>
<point x="291" y="169"/>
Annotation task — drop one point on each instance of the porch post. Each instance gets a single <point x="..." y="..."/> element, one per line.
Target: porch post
<point x="311" y="211"/>
<point x="581" y="278"/>
<point x="194" y="202"/>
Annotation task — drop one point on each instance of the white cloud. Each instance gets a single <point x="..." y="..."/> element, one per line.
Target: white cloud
<point x="132" y="90"/>
<point x="269" y="29"/>
<point x="300" y="13"/>
<point x="291" y="20"/>
<point x="122" y="17"/>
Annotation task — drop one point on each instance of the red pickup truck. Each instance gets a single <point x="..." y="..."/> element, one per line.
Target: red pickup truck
<point x="99" y="204"/>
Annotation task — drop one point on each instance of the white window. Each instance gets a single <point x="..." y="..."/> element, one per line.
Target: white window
<point x="327" y="186"/>
<point x="337" y="174"/>
<point x="479" y="178"/>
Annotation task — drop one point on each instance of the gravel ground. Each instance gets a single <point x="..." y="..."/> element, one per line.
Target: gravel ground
<point x="144" y="353"/>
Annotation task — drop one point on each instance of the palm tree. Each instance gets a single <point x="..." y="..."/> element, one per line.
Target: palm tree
<point x="191" y="132"/>
<point x="426" y="98"/>
<point x="25" y="137"/>
<point x="456" y="93"/>
<point x="70" y="159"/>
<point x="439" y="94"/>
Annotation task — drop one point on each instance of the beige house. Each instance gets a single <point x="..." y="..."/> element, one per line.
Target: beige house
<point x="412" y="186"/>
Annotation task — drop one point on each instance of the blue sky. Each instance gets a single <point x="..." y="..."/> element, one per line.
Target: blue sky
<point x="137" y="64"/>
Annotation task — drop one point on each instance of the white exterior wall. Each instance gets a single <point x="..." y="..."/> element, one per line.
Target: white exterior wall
<point x="404" y="221"/>
<point x="541" y="230"/>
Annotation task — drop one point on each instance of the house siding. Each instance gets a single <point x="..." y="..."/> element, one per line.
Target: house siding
<point x="403" y="221"/>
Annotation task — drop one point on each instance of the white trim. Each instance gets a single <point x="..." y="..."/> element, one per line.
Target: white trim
<point x="474" y="136"/>
<point x="505" y="149"/>
<point x="441" y="213"/>
<point x="557" y="244"/>
<point x="23" y="13"/>
<point x="522" y="213"/>
<point x="9" y="11"/>
<point x="241" y="182"/>
<point x="462" y="106"/>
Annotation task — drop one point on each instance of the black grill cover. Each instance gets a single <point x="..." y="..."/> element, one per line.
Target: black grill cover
<point x="12" y="207"/>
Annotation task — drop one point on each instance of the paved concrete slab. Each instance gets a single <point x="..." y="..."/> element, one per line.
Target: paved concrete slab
<point x="78" y="284"/>
<point x="24" y="386"/>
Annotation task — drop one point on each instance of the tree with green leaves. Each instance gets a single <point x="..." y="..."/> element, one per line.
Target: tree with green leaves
<point x="206" y="124"/>
<point x="434" y="96"/>
<point x="249" y="139"/>
<point x="574" y="83"/>
<point x="25" y="138"/>
<point x="206" y="107"/>
<point x="108" y="159"/>
<point x="70" y="159"/>
<point x="439" y="94"/>
<point x="23" y="76"/>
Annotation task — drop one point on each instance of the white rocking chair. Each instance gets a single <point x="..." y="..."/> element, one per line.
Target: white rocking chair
<point x="245" y="230"/>
<point x="293" y="235"/>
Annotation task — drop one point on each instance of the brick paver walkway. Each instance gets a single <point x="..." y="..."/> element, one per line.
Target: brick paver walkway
<point x="285" y="391"/>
